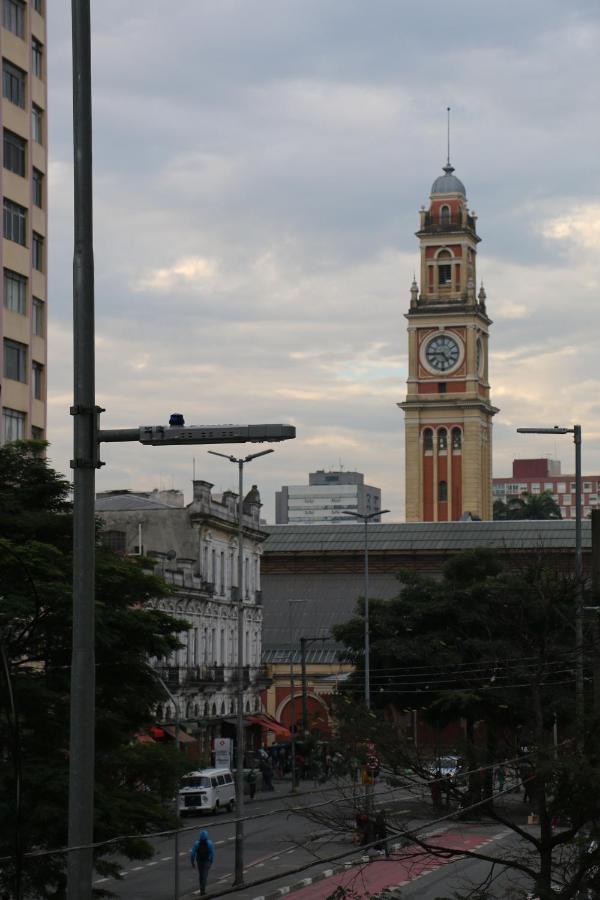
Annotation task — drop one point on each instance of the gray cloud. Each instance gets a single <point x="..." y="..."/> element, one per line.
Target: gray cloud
<point x="258" y="171"/>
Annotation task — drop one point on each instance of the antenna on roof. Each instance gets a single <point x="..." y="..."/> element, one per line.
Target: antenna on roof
<point x="448" y="112"/>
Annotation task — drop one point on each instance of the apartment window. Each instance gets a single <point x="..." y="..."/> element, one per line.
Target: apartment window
<point x="38" y="188"/>
<point x="37" y="434"/>
<point x="15" y="360"/>
<point x="587" y="486"/>
<point x="38" y="5"/>
<point x="15" y="222"/>
<point x="13" y="425"/>
<point x="37" y="370"/>
<point x="548" y="486"/>
<point x="37" y="123"/>
<point x="567" y="500"/>
<point x="535" y="488"/>
<point x="37" y="251"/>
<point x="14" y="152"/>
<point x="572" y="485"/>
<point x="37" y="314"/>
<point x="561" y="487"/>
<point x="443" y="492"/>
<point x="37" y="57"/>
<point x="13" y="16"/>
<point x="13" y="83"/>
<point x="15" y="292"/>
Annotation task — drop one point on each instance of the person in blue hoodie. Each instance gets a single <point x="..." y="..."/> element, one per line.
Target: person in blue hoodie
<point x="202" y="858"/>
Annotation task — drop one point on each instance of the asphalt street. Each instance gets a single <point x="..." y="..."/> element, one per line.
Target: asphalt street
<point x="276" y="842"/>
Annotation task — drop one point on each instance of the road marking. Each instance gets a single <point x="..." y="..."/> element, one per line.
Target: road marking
<point x="165" y="858"/>
<point x="100" y="880"/>
<point x="137" y="869"/>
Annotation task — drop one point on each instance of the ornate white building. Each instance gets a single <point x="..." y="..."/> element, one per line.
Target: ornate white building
<point x="195" y="550"/>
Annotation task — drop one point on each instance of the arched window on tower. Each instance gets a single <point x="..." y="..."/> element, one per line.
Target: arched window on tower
<point x="443" y="492"/>
<point x="445" y="215"/>
<point x="427" y="439"/>
<point x="442" y="439"/>
<point x="456" y="439"/>
<point x="444" y="267"/>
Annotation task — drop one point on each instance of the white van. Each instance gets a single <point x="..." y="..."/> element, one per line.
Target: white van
<point x="207" y="790"/>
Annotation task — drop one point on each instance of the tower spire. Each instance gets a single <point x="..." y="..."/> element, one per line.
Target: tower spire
<point x="448" y="168"/>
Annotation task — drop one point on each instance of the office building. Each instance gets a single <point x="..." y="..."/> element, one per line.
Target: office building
<point x="23" y="311"/>
<point x="324" y="498"/>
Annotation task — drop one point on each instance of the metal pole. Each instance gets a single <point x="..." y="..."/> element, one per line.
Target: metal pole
<point x="304" y="687"/>
<point x="367" y="645"/>
<point x="82" y="713"/>
<point x="579" y="661"/>
<point x="596" y="597"/>
<point x="292" y="703"/>
<point x="239" y="771"/>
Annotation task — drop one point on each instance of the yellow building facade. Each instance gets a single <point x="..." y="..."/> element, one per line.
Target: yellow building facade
<point x="23" y="317"/>
<point x="448" y="413"/>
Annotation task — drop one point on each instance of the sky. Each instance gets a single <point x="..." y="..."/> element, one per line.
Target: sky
<point x="258" y="170"/>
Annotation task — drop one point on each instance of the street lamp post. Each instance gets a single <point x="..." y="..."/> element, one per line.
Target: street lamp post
<point x="292" y="697"/>
<point x="304" y="642"/>
<point x="239" y="771"/>
<point x="87" y="438"/>
<point x="366" y="518"/>
<point x="579" y="667"/>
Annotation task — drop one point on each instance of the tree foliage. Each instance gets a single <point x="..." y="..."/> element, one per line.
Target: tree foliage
<point x="490" y="644"/>
<point x="528" y="506"/>
<point x="35" y="639"/>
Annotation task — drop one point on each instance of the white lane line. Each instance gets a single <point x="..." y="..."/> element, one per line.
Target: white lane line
<point x="136" y="869"/>
<point x="155" y="863"/>
<point x="100" y="880"/>
<point x="165" y="858"/>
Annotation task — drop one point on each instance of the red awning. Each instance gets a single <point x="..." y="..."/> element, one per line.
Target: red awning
<point x="184" y="737"/>
<point x="156" y="732"/>
<point x="144" y="738"/>
<point x="271" y="724"/>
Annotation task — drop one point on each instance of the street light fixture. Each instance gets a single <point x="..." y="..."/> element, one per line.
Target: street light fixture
<point x="579" y="668"/>
<point x="239" y="771"/>
<point x="366" y="518"/>
<point x="292" y="697"/>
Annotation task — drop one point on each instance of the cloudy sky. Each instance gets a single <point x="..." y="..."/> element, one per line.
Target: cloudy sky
<point x="259" y="166"/>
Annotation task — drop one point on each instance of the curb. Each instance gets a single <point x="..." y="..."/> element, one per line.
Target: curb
<point x="320" y="876"/>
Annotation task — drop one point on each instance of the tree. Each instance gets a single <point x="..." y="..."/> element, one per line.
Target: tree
<point x="528" y="506"/>
<point x="494" y="644"/>
<point x="35" y="643"/>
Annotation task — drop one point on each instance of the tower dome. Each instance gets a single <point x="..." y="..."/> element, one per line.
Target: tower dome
<point x="448" y="183"/>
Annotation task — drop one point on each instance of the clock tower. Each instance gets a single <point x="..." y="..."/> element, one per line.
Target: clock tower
<point x="448" y="414"/>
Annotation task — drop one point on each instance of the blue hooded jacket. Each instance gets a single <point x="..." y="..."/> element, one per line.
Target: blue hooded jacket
<point x="203" y="837"/>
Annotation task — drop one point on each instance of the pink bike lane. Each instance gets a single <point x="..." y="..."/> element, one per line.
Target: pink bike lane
<point x="401" y="868"/>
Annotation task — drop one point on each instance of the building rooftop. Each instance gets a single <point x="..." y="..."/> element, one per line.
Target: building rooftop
<point x="425" y="536"/>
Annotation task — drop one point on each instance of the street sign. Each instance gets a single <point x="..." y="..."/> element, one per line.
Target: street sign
<point x="222" y="751"/>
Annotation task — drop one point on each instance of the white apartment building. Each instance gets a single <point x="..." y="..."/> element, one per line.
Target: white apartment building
<point x="195" y="549"/>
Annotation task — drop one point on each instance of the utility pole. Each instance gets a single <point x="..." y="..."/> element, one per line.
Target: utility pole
<point x="304" y="641"/>
<point x="84" y="462"/>
<point x="596" y="602"/>
<point x="177" y="728"/>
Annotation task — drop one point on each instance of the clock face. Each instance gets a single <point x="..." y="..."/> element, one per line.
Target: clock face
<point x="442" y="353"/>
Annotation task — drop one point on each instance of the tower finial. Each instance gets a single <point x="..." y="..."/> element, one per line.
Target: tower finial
<point x="448" y="111"/>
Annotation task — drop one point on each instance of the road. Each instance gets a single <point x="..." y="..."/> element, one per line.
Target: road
<point x="277" y="841"/>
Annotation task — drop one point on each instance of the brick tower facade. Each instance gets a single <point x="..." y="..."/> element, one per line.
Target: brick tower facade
<point x="448" y="414"/>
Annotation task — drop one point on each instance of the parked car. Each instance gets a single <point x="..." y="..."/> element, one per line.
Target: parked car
<point x="207" y="790"/>
<point x="448" y="766"/>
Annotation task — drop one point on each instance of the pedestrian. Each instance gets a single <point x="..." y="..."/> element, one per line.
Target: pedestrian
<point x="381" y="832"/>
<point x="202" y="858"/>
<point x="252" y="778"/>
<point x="501" y="776"/>
<point x="436" y="791"/>
<point x="267" y="774"/>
